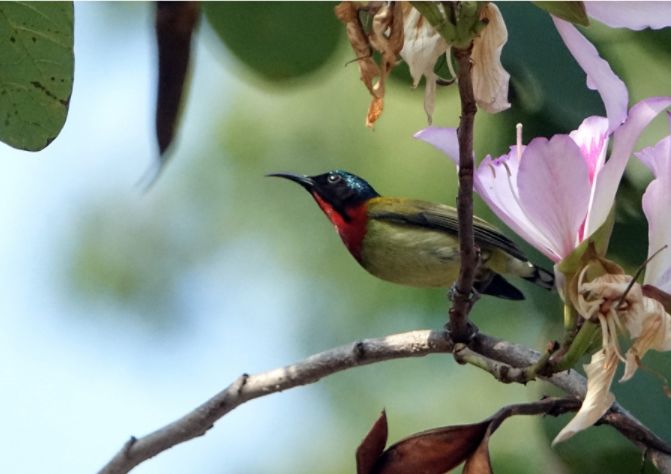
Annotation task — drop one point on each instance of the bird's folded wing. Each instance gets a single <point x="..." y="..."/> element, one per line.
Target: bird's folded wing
<point x="443" y="218"/>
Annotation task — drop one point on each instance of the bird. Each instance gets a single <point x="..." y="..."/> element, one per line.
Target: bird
<point x="414" y="242"/>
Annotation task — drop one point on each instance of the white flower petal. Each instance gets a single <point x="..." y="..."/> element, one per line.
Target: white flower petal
<point x="490" y="80"/>
<point x="598" y="398"/>
<point x="651" y="329"/>
<point x="422" y="46"/>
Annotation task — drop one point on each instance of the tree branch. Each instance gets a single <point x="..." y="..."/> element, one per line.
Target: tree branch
<point x="368" y="351"/>
<point x="462" y="298"/>
<point x="248" y="387"/>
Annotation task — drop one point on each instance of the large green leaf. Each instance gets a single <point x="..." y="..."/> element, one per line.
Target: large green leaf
<point x="36" y="70"/>
<point x="280" y="40"/>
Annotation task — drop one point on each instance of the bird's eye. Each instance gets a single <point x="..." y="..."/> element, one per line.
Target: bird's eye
<point x="333" y="178"/>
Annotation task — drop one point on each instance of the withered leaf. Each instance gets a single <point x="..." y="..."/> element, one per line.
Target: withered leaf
<point x="372" y="446"/>
<point x="348" y="14"/>
<point x="385" y="36"/>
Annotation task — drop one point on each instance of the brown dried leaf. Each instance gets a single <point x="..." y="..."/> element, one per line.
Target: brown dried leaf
<point x="397" y="33"/>
<point x="389" y="17"/>
<point x="386" y="36"/>
<point x="347" y="12"/>
<point x="432" y="452"/>
<point x="372" y="446"/>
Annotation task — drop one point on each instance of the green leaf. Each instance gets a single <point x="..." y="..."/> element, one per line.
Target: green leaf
<point x="601" y="237"/>
<point x="569" y="11"/>
<point x="36" y="71"/>
<point x="278" y="41"/>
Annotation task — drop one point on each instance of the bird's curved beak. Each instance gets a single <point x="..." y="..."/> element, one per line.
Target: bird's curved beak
<point x="305" y="181"/>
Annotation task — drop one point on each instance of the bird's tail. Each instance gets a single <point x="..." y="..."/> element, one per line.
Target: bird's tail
<point x="541" y="277"/>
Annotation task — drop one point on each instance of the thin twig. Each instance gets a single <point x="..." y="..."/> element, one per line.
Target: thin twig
<point x="462" y="299"/>
<point x="318" y="366"/>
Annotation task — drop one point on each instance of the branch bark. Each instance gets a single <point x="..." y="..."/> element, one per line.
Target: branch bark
<point x="462" y="298"/>
<point x="248" y="387"/>
<point x="412" y="344"/>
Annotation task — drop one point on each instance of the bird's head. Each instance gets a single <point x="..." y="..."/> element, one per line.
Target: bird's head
<point x="335" y="191"/>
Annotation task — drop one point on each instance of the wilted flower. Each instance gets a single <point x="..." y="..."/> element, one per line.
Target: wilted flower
<point x="385" y="36"/>
<point x="423" y="45"/>
<point x="620" y="308"/>
<point x="397" y="28"/>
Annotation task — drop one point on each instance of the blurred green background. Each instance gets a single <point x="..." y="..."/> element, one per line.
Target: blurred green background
<point x="123" y="309"/>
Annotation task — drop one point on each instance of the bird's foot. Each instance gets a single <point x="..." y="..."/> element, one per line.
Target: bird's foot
<point x="471" y="331"/>
<point x="456" y="292"/>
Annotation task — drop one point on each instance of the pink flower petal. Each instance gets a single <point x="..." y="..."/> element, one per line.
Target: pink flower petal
<point x="632" y="15"/>
<point x="592" y="139"/>
<point x="496" y="183"/>
<point x="599" y="74"/>
<point x="656" y="205"/>
<point x="624" y="140"/>
<point x="445" y="139"/>
<point x="554" y="190"/>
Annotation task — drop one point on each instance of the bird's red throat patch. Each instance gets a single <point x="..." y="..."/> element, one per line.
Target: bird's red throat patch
<point x="351" y="231"/>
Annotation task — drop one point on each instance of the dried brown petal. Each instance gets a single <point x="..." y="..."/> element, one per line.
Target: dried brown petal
<point x="389" y="17"/>
<point x="374" y="111"/>
<point x="347" y="12"/>
<point x="386" y="36"/>
<point x="372" y="446"/>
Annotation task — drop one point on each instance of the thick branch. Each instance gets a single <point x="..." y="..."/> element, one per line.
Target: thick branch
<point x="248" y="387"/>
<point x="312" y="369"/>
<point x="462" y="297"/>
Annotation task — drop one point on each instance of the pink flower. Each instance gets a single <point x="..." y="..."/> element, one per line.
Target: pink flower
<point x="621" y="308"/>
<point x="555" y="193"/>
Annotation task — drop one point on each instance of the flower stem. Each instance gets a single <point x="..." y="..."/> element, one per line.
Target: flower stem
<point x="578" y="347"/>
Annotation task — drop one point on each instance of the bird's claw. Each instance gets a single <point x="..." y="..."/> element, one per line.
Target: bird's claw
<point x="454" y="292"/>
<point x="471" y="331"/>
